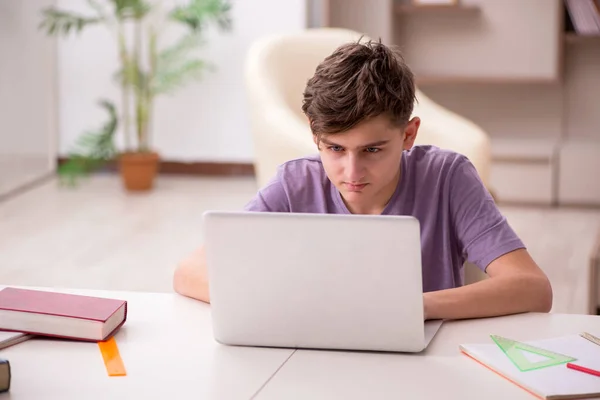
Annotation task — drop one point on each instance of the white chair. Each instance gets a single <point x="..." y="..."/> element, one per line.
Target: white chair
<point x="276" y="71"/>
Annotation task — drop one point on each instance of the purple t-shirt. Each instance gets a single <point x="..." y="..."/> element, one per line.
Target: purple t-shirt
<point x="458" y="217"/>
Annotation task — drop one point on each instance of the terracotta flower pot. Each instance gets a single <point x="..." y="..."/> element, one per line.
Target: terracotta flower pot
<point x="138" y="170"/>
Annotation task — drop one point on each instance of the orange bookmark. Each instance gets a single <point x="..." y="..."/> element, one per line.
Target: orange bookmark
<point x="112" y="359"/>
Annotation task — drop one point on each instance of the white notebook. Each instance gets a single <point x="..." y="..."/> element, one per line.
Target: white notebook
<point x="11" y="338"/>
<point x="527" y="369"/>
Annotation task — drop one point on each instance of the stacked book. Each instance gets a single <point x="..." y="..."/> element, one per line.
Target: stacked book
<point x="8" y="339"/>
<point x="4" y="375"/>
<point x="27" y="313"/>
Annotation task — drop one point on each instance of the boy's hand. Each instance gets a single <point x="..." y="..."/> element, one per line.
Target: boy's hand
<point x="191" y="277"/>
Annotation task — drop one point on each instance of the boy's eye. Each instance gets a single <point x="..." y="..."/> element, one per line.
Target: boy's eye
<point x="335" y="148"/>
<point x="372" y="149"/>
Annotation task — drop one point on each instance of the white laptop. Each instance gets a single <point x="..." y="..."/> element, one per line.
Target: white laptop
<point x="320" y="281"/>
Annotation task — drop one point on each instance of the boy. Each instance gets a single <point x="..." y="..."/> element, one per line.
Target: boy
<point x="359" y="103"/>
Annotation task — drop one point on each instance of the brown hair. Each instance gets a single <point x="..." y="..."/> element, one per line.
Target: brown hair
<point x="358" y="82"/>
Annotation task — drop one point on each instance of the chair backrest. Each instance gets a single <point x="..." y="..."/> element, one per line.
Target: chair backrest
<point x="444" y="128"/>
<point x="283" y="64"/>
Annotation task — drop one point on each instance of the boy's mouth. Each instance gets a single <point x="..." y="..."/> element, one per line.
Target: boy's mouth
<point x="355" y="187"/>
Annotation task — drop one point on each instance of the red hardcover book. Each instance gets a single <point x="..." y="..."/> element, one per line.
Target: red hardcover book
<point x="60" y="315"/>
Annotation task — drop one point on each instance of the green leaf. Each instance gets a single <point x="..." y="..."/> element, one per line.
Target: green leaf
<point x="168" y="80"/>
<point x="197" y="13"/>
<point x="92" y="150"/>
<point x="98" y="8"/>
<point x="131" y="75"/>
<point x="175" y="65"/>
<point x="127" y="9"/>
<point x="134" y="77"/>
<point x="179" y="50"/>
<point x="56" y="21"/>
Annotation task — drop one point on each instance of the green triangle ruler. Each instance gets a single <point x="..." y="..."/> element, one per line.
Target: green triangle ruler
<point x="517" y="351"/>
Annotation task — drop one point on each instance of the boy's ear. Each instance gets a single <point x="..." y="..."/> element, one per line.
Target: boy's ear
<point x="410" y="132"/>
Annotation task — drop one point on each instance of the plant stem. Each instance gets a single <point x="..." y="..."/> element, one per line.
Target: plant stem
<point x="125" y="93"/>
<point x="139" y="98"/>
<point x="149" y="81"/>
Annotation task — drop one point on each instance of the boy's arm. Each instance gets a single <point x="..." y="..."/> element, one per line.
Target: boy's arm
<point x="191" y="275"/>
<point x="516" y="285"/>
<point x="191" y="279"/>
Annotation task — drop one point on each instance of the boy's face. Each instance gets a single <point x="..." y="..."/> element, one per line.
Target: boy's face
<point x="364" y="162"/>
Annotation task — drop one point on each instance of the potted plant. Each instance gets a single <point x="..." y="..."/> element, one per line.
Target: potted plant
<point x="147" y="70"/>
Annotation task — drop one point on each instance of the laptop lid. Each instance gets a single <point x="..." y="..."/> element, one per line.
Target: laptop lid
<point x="315" y="280"/>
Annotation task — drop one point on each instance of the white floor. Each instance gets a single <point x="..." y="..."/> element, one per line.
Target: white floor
<point x="97" y="236"/>
<point x="19" y="171"/>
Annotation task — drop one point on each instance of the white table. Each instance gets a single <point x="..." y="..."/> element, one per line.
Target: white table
<point x="169" y="352"/>
<point x="441" y="372"/>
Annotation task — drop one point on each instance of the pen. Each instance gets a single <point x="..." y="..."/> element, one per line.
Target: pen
<point x="591" y="338"/>
<point x="583" y="369"/>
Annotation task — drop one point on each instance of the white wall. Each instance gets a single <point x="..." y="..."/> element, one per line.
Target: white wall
<point x="206" y="121"/>
<point x="27" y="96"/>
<point x="27" y="81"/>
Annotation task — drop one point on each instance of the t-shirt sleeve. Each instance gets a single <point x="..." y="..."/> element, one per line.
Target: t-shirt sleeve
<point x="483" y="232"/>
<point x="271" y="198"/>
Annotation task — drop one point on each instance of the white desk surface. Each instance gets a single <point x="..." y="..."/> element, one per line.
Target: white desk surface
<point x="169" y="353"/>
<point x="440" y="372"/>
